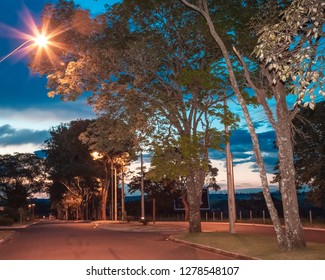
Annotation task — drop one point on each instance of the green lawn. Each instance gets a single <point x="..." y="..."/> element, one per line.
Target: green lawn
<point x="261" y="247"/>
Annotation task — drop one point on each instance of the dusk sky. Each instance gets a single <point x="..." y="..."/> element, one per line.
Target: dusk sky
<point x="27" y="113"/>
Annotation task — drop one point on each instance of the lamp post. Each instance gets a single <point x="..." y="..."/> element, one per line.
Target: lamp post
<point x="115" y="195"/>
<point x="230" y="180"/>
<point x="142" y="190"/>
<point x="122" y="195"/>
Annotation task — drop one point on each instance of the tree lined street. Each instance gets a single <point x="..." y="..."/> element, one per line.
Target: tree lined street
<point x="160" y="76"/>
<point x="60" y="240"/>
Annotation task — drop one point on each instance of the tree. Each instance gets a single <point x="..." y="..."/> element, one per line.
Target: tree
<point x="309" y="151"/>
<point x="174" y="75"/>
<point x="56" y="192"/>
<point x="293" y="236"/>
<point x="291" y="53"/>
<point x="163" y="192"/>
<point x="293" y="48"/>
<point x="169" y="166"/>
<point x="112" y="142"/>
<point x="21" y="176"/>
<point x="69" y="162"/>
<point x="156" y="78"/>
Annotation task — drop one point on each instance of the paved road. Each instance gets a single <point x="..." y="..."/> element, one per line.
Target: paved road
<point x="54" y="240"/>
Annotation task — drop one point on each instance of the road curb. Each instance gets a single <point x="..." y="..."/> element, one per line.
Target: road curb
<point x="212" y="249"/>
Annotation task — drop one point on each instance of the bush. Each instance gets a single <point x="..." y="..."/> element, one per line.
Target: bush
<point x="11" y="213"/>
<point x="6" y="221"/>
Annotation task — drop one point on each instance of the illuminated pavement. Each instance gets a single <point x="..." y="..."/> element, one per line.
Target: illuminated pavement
<point x="311" y="234"/>
<point x="57" y="240"/>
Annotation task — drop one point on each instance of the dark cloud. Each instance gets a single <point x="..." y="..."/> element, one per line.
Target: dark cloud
<point x="12" y="136"/>
<point x="242" y="149"/>
<point x="269" y="162"/>
<point x="240" y="141"/>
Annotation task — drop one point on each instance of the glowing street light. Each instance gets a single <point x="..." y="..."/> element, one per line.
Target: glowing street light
<point x="40" y="41"/>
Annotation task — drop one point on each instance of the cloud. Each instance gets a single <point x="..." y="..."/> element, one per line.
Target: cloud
<point x="242" y="149"/>
<point x="10" y="136"/>
<point x="23" y="148"/>
<point x="45" y="117"/>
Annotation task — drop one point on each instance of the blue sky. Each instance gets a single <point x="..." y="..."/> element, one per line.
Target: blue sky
<point x="26" y="113"/>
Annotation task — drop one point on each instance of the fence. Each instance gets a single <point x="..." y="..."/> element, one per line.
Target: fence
<point x="253" y="216"/>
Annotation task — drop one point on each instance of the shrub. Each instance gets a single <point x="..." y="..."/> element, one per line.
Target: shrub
<point x="6" y="221"/>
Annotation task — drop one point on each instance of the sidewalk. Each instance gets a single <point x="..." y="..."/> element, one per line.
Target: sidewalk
<point x="17" y="226"/>
<point x="177" y="232"/>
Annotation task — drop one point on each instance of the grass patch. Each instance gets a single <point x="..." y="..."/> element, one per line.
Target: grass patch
<point x="261" y="247"/>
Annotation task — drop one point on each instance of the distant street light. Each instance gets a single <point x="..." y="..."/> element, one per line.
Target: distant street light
<point x="40" y="41"/>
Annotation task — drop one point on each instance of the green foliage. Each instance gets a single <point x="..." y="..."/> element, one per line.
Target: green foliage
<point x="110" y="137"/>
<point x="69" y="163"/>
<point x="293" y="48"/>
<point x="155" y="76"/>
<point x="202" y="78"/>
<point x="162" y="190"/>
<point x="152" y="69"/>
<point x="309" y="151"/>
<point x="67" y="157"/>
<point x="21" y="175"/>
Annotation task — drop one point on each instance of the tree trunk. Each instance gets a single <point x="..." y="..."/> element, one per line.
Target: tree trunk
<point x="103" y="201"/>
<point x="293" y="228"/>
<point x="77" y="213"/>
<point x="203" y="9"/>
<point x="186" y="206"/>
<point x="194" y="193"/>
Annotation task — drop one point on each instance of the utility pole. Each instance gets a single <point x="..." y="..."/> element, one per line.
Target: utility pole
<point x="112" y="191"/>
<point x="115" y="195"/>
<point x="122" y="194"/>
<point x="142" y="190"/>
<point x="230" y="178"/>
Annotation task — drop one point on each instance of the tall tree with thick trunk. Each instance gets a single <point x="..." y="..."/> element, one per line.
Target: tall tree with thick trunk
<point x="293" y="236"/>
<point x="291" y="52"/>
<point x="154" y="76"/>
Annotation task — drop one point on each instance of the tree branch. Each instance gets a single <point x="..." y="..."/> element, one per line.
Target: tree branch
<point x="260" y="93"/>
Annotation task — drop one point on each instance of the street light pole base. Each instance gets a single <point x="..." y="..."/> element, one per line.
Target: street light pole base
<point x="144" y="221"/>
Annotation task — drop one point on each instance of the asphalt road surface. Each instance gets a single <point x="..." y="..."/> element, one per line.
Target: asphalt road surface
<point x="54" y="240"/>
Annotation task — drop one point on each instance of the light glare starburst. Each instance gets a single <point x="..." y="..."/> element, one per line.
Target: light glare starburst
<point x="39" y="40"/>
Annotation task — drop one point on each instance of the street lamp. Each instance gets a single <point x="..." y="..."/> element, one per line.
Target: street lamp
<point x="40" y="41"/>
